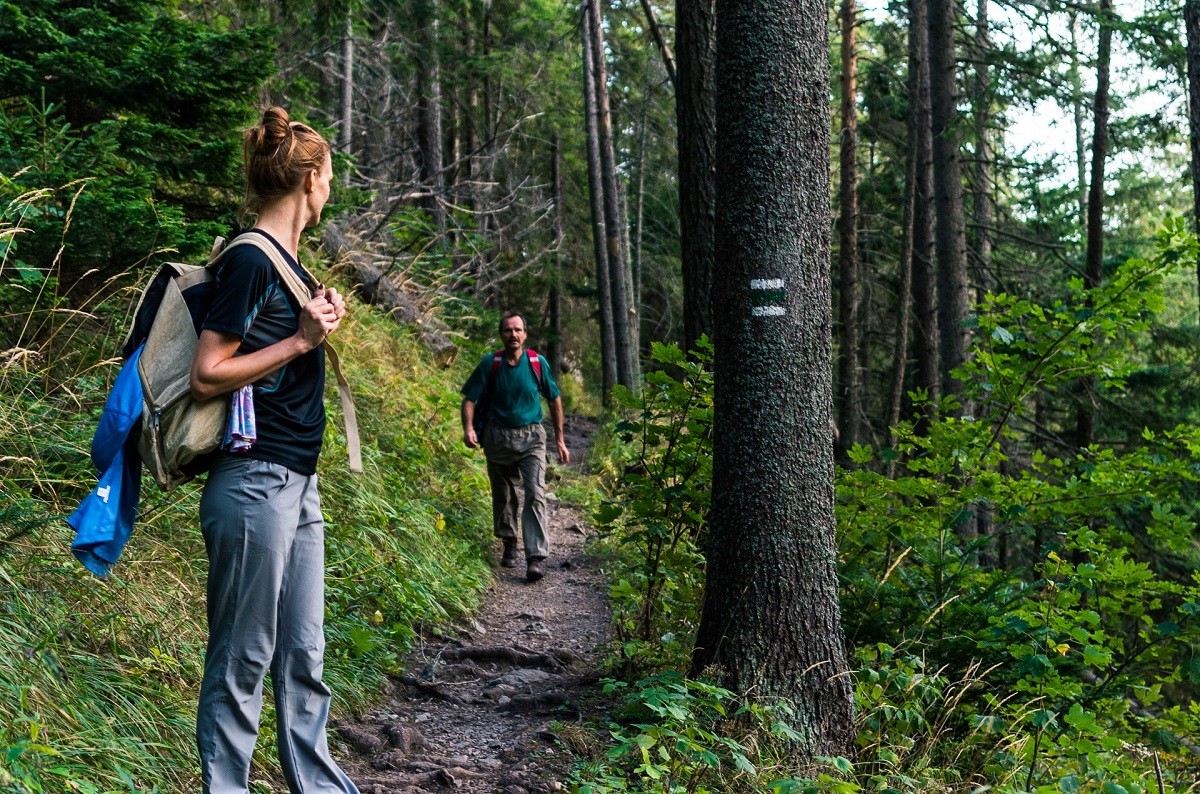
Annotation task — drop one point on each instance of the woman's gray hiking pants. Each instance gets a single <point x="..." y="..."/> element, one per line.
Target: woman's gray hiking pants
<point x="266" y="566"/>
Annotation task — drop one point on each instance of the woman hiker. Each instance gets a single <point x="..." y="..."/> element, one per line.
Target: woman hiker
<point x="260" y="513"/>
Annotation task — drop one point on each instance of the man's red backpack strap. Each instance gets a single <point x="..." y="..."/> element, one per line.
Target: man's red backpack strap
<point x="535" y="362"/>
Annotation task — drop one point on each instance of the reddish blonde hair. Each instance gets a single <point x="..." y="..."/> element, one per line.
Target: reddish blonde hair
<point x="278" y="152"/>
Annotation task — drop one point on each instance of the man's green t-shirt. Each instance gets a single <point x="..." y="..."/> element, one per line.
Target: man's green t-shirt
<point x="513" y="398"/>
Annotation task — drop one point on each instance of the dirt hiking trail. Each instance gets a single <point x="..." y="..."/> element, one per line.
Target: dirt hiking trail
<point x="474" y="710"/>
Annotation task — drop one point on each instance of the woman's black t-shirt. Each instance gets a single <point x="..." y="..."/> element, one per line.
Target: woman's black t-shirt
<point x="253" y="304"/>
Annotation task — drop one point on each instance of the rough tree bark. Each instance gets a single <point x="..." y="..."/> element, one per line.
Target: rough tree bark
<point x="613" y="218"/>
<point x="927" y="375"/>
<point x="1085" y="425"/>
<point x="952" y="286"/>
<point x="771" y="624"/>
<point x="850" y="395"/>
<point x="695" y="114"/>
<point x="608" y="353"/>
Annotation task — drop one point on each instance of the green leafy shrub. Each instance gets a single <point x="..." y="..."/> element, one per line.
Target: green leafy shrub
<point x="657" y="505"/>
<point x="672" y="734"/>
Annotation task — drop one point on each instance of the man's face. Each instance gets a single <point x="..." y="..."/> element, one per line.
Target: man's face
<point x="512" y="332"/>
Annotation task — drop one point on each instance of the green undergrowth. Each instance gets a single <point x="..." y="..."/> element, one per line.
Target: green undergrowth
<point x="98" y="679"/>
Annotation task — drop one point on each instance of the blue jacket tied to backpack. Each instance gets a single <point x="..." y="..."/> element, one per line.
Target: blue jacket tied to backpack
<point x="104" y="520"/>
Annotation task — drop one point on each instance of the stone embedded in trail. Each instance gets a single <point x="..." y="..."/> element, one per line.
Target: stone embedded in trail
<point x="363" y="741"/>
<point x="523" y="677"/>
<point x="404" y="737"/>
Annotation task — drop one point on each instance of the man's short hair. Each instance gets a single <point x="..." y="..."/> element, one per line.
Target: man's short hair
<point x="508" y="316"/>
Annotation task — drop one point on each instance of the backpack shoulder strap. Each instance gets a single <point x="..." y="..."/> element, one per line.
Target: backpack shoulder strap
<point x="497" y="357"/>
<point x="303" y="295"/>
<point x="287" y="274"/>
<point x="535" y="362"/>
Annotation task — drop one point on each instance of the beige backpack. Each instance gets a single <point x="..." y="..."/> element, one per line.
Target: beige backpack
<point x="178" y="434"/>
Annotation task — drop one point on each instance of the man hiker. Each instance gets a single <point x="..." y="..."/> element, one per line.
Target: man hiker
<point x="506" y="390"/>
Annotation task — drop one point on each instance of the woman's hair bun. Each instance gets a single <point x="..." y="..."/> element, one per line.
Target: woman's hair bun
<point x="273" y="131"/>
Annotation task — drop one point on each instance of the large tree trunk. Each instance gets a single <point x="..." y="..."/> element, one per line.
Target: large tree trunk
<point x="1085" y="427"/>
<point x="608" y="353"/>
<point x="927" y="375"/>
<point x="695" y="114"/>
<point x="771" y="624"/>
<point x="1191" y="19"/>
<point x="953" y="298"/>
<point x="850" y="396"/>
<point x="429" y="113"/>
<point x="613" y="218"/>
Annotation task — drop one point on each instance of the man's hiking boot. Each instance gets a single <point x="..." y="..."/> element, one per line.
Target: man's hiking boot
<point x="510" y="558"/>
<point x="534" y="570"/>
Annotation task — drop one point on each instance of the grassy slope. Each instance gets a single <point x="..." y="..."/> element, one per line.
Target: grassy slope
<point x="98" y="680"/>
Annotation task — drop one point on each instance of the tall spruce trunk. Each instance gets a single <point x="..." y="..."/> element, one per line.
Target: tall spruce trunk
<point x="1191" y="19"/>
<point x="695" y="116"/>
<point x="850" y="392"/>
<point x="614" y="220"/>
<point x="608" y="351"/>
<point x="927" y="375"/>
<point x="1085" y="425"/>
<point x="952" y="286"/>
<point x="771" y="623"/>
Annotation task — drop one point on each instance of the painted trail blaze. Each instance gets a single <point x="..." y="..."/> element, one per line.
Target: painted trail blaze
<point x="766" y="295"/>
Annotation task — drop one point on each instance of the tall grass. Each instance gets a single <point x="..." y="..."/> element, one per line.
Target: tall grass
<point x="98" y="679"/>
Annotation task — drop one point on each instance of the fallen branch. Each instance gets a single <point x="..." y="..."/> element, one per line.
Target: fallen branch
<point x="375" y="286"/>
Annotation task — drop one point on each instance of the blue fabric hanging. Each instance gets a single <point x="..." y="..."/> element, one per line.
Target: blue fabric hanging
<point x="104" y="520"/>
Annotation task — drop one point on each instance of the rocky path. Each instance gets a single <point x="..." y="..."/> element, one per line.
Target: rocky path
<point x="481" y="709"/>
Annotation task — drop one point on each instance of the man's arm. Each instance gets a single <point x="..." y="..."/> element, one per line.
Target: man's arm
<point x="468" y="416"/>
<point x="556" y="415"/>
